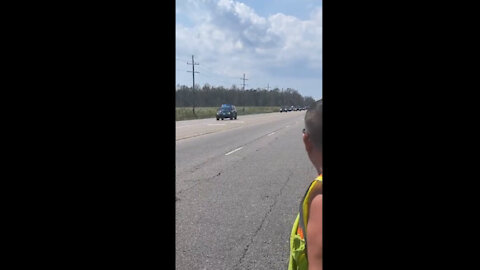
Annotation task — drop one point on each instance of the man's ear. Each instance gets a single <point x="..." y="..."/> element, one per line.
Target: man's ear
<point x="307" y="142"/>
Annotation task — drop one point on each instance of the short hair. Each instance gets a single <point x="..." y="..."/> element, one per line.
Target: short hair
<point x="314" y="123"/>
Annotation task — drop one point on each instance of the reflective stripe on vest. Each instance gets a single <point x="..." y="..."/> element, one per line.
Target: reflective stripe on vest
<point x="298" y="236"/>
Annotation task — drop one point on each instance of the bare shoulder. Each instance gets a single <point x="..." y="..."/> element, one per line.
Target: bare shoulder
<point x="316" y="191"/>
<point x="314" y="234"/>
<point x="316" y="203"/>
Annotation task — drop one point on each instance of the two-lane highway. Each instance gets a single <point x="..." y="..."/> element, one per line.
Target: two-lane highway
<point x="238" y="187"/>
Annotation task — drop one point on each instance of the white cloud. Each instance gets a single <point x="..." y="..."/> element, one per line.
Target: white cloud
<point x="235" y="40"/>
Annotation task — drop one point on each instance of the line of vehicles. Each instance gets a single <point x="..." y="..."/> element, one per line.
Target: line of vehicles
<point x="230" y="111"/>
<point x="292" y="108"/>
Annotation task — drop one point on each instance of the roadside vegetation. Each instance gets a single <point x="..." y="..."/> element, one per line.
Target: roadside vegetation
<point x="211" y="96"/>
<point x="207" y="99"/>
<point x="186" y="113"/>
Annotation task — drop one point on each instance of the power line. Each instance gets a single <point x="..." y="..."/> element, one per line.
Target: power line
<point x="206" y="70"/>
<point x="215" y="76"/>
<point x="210" y="67"/>
<point x="215" y="79"/>
<point x="215" y="73"/>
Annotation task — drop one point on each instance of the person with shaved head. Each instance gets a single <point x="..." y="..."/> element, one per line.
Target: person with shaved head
<point x="306" y="249"/>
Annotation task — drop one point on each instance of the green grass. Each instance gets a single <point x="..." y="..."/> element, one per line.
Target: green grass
<point x="185" y="113"/>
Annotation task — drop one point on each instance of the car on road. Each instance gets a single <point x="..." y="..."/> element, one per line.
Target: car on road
<point x="283" y="109"/>
<point x="227" y="111"/>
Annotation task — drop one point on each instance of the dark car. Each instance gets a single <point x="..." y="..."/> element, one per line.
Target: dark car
<point x="290" y="108"/>
<point x="283" y="109"/>
<point x="227" y="111"/>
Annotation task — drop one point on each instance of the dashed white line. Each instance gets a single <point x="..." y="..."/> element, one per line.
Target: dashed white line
<point x="186" y="126"/>
<point x="233" y="151"/>
<point x="271" y="133"/>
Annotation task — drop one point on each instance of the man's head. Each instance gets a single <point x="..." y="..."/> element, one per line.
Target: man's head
<point x="312" y="136"/>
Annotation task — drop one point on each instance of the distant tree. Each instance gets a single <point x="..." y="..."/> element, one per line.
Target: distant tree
<point x="212" y="96"/>
<point x="308" y="101"/>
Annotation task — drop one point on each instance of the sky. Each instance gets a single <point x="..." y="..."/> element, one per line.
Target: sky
<point x="275" y="43"/>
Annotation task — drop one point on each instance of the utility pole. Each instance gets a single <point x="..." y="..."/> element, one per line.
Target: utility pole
<point x="268" y="86"/>
<point x="243" y="81"/>
<point x="193" y="85"/>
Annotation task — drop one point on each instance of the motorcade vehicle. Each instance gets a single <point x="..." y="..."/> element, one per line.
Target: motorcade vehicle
<point x="227" y="111"/>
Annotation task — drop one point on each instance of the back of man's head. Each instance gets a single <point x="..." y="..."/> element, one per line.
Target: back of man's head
<point x="314" y="124"/>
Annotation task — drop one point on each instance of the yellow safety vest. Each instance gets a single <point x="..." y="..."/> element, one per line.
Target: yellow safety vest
<point x="298" y="242"/>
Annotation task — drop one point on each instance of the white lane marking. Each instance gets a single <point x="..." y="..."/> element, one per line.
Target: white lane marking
<point x="216" y="124"/>
<point x="186" y="126"/>
<point x="287" y="126"/>
<point x="271" y="133"/>
<point x="233" y="151"/>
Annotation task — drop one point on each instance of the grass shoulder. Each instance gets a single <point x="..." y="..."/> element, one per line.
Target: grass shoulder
<point x="186" y="113"/>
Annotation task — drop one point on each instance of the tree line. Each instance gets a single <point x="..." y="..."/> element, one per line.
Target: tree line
<point x="210" y="96"/>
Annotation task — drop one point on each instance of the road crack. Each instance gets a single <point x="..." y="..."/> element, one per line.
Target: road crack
<point x="245" y="250"/>
<point x="202" y="180"/>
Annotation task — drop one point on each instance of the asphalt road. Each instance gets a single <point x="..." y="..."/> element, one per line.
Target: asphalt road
<point x="238" y="187"/>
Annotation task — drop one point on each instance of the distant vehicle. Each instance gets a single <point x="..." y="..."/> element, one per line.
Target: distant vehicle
<point x="292" y="108"/>
<point x="283" y="109"/>
<point x="227" y="111"/>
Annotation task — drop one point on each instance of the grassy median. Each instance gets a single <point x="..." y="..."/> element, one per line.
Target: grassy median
<point x="186" y="113"/>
